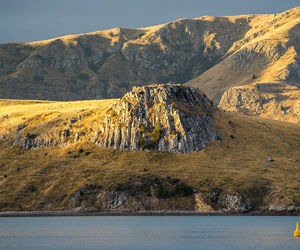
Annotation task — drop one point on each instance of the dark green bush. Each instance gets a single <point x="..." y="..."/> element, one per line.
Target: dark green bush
<point x="80" y="150"/>
<point x="173" y="181"/>
<point x="142" y="141"/>
<point x="162" y="192"/>
<point x="183" y="189"/>
<point x="30" y="136"/>
<point x="261" y="101"/>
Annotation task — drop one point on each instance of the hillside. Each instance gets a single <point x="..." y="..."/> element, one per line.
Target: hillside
<point x="266" y="57"/>
<point x="107" y="64"/>
<point x="232" y="174"/>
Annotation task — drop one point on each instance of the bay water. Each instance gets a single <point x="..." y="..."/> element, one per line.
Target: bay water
<point x="149" y="232"/>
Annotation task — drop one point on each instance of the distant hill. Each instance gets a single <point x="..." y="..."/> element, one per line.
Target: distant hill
<point x="214" y="54"/>
<point x="260" y="73"/>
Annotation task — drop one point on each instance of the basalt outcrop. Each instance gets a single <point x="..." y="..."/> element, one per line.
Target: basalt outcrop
<point x="171" y="118"/>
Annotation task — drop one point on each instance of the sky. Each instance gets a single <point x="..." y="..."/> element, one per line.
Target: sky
<point x="36" y="20"/>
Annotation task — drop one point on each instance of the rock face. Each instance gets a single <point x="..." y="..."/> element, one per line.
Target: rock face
<point x="269" y="100"/>
<point x="171" y="118"/>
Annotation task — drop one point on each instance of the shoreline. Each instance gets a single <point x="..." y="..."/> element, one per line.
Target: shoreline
<point x="132" y="213"/>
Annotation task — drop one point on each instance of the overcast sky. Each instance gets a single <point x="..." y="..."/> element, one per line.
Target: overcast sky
<point x="34" y="20"/>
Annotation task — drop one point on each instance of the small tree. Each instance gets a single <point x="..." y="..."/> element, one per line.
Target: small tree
<point x="256" y="86"/>
<point x="261" y="101"/>
<point x="281" y="107"/>
<point x="253" y="76"/>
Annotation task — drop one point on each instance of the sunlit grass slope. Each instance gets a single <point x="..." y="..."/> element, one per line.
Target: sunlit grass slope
<point x="237" y="164"/>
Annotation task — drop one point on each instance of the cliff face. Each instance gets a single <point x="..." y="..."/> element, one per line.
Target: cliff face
<point x="165" y="117"/>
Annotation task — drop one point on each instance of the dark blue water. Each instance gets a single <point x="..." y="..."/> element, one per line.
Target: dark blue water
<point x="149" y="232"/>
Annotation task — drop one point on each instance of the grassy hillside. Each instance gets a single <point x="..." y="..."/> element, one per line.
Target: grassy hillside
<point x="268" y="52"/>
<point x="50" y="178"/>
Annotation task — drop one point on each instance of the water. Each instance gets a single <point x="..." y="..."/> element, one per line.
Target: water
<point x="149" y="232"/>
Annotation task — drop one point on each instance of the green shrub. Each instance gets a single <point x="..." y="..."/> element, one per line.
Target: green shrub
<point x="87" y="153"/>
<point x="281" y="107"/>
<point x="256" y="86"/>
<point x="46" y="154"/>
<point x="183" y="189"/>
<point x="5" y="175"/>
<point x="173" y="181"/>
<point x="156" y="134"/>
<point x="261" y="101"/>
<point x="173" y="132"/>
<point x="142" y="141"/>
<point x="162" y="192"/>
<point x="80" y="150"/>
<point x="69" y="152"/>
<point x="253" y="76"/>
<point x="81" y="192"/>
<point x="142" y="129"/>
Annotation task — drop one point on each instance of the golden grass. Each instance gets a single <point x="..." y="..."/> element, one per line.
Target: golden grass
<point x="233" y="165"/>
<point x="38" y="115"/>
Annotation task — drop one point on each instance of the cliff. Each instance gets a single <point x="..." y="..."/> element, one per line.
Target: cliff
<point x="172" y="118"/>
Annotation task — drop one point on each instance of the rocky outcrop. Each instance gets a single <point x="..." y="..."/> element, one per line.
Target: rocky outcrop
<point x="283" y="208"/>
<point x="171" y="118"/>
<point x="235" y="203"/>
<point x="274" y="101"/>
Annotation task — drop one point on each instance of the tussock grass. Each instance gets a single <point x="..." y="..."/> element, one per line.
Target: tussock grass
<point x="236" y="164"/>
